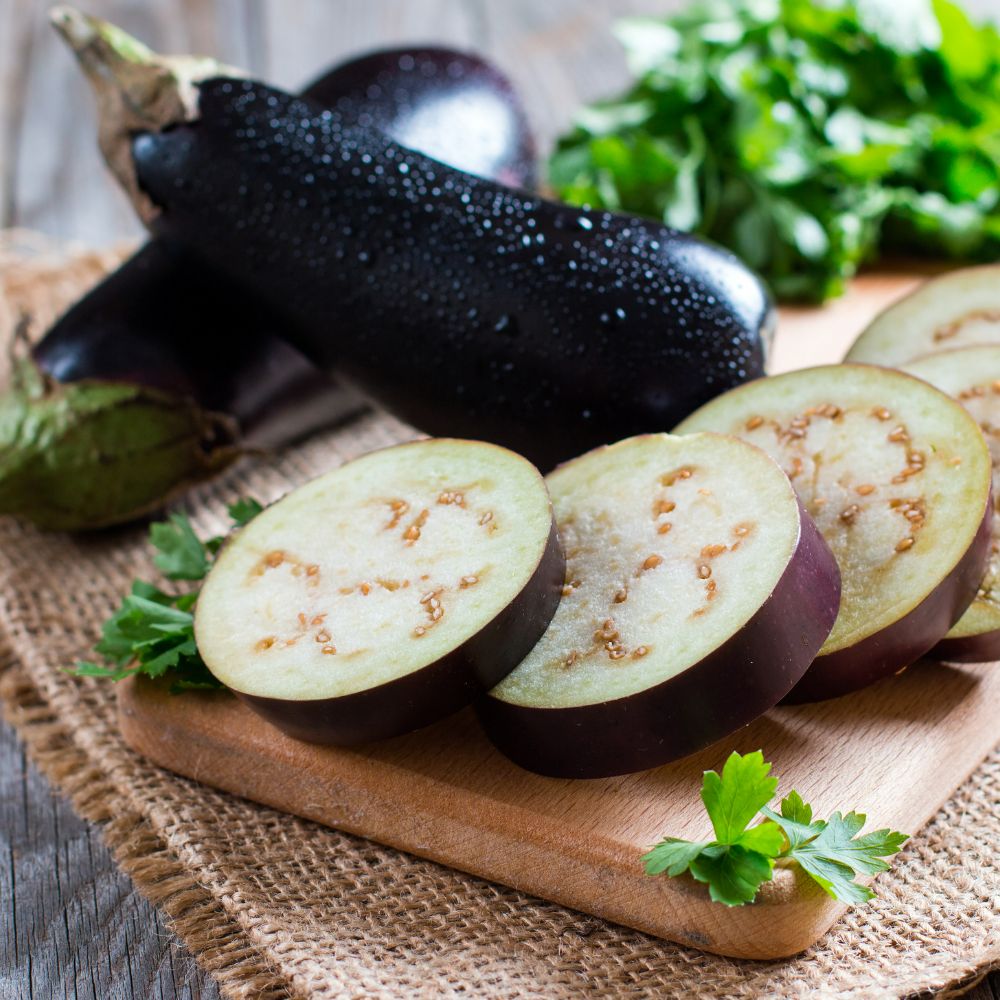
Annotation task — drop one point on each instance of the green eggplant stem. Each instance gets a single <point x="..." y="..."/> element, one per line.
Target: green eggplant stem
<point x="90" y="454"/>
<point x="136" y="89"/>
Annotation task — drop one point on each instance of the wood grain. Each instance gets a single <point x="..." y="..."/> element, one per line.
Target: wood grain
<point x="72" y="924"/>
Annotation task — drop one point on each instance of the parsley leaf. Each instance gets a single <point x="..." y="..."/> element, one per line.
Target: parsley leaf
<point x="833" y="853"/>
<point x="181" y="556"/>
<point x="244" y="511"/>
<point x="152" y="632"/>
<point x="733" y="874"/>
<point x="806" y="135"/>
<point x="735" y="797"/>
<point x="742" y="857"/>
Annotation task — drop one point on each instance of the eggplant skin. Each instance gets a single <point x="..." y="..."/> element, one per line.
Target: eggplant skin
<point x="907" y="639"/>
<point x="464" y="307"/>
<point x="165" y="322"/>
<point x="981" y="648"/>
<point x="437" y="690"/>
<point x="729" y="688"/>
<point x="454" y="106"/>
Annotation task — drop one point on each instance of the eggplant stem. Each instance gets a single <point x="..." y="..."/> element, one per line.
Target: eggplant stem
<point x="136" y="89"/>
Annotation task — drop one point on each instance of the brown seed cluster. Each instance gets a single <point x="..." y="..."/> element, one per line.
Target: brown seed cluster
<point x="850" y="513"/>
<point x="452" y="498"/>
<point x="277" y="558"/>
<point x="304" y="623"/>
<point x="915" y="512"/>
<point x="948" y="330"/>
<point x="609" y="636"/>
<point x="914" y="465"/>
<point x="685" y="472"/>
<point x="412" y="533"/>
<point x="399" y="509"/>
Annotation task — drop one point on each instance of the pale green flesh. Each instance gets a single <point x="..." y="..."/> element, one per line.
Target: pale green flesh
<point x="373" y="571"/>
<point x="960" y="309"/>
<point x="972" y="376"/>
<point x="643" y="604"/>
<point x="854" y="479"/>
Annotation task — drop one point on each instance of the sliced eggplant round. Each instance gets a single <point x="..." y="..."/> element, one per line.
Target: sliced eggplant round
<point x="972" y="376"/>
<point x="897" y="476"/>
<point x="959" y="309"/>
<point x="697" y="594"/>
<point x="385" y="594"/>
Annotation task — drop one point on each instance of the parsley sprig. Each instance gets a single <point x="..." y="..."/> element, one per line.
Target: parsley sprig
<point x="742" y="857"/>
<point x="806" y="135"/>
<point x="152" y="632"/>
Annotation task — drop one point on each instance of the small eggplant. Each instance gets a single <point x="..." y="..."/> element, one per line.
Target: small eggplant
<point x="465" y="307"/>
<point x="167" y="371"/>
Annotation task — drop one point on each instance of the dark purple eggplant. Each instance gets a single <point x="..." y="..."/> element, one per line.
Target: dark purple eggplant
<point x="465" y="307"/>
<point x="453" y="106"/>
<point x="201" y="365"/>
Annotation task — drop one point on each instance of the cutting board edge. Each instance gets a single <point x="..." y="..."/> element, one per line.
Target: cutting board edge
<point x="679" y="910"/>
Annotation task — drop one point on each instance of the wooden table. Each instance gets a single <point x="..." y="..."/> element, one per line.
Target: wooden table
<point x="72" y="924"/>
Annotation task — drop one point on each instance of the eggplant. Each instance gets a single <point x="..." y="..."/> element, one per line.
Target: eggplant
<point x="972" y="376"/>
<point x="464" y="307"/>
<point x="697" y="593"/>
<point x="386" y="594"/>
<point x="200" y="364"/>
<point x="953" y="310"/>
<point x="898" y="478"/>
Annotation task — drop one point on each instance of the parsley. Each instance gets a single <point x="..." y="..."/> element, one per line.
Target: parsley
<point x="152" y="632"/>
<point x="742" y="857"/>
<point x="806" y="135"/>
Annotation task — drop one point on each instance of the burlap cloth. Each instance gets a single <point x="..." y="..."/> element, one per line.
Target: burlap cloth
<point x="275" y="906"/>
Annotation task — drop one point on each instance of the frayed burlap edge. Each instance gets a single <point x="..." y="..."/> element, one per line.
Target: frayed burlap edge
<point x="218" y="945"/>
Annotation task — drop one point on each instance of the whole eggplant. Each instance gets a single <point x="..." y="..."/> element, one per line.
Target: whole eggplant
<point x="465" y="307"/>
<point x="183" y="351"/>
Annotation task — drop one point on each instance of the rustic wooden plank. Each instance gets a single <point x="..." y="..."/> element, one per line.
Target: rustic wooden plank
<point x="72" y="924"/>
<point x="303" y="38"/>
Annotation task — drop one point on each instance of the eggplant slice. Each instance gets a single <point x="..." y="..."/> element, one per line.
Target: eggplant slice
<point x="897" y="476"/>
<point x="385" y="594"/>
<point x="959" y="309"/>
<point x="972" y="376"/>
<point x="697" y="593"/>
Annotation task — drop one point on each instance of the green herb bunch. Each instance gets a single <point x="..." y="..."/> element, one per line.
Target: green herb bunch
<point x="741" y="857"/>
<point x="152" y="632"/>
<point x="806" y="135"/>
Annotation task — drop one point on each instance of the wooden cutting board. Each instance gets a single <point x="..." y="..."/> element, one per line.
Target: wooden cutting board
<point x="895" y="751"/>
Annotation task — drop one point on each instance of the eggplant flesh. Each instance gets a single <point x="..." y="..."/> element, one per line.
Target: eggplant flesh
<point x="461" y="305"/>
<point x="385" y="594"/>
<point x="898" y="479"/>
